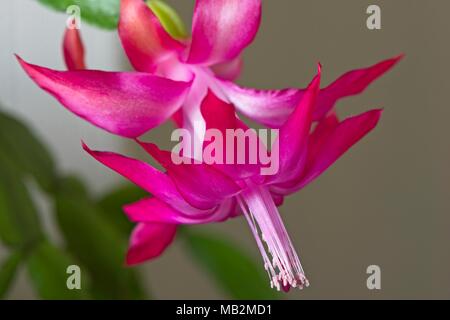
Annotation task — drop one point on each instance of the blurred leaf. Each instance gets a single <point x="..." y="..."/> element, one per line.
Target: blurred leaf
<point x="72" y="184"/>
<point x="8" y="271"/>
<point x="9" y="233"/>
<point x="169" y="18"/>
<point x="232" y="268"/>
<point x="47" y="266"/>
<point x="19" y="221"/>
<point x="102" y="13"/>
<point x="28" y="155"/>
<point x="96" y="243"/>
<point x="111" y="206"/>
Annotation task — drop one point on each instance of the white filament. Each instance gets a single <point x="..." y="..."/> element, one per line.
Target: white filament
<point x="262" y="215"/>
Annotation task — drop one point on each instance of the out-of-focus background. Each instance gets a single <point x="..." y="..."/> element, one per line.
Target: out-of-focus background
<point x="386" y="202"/>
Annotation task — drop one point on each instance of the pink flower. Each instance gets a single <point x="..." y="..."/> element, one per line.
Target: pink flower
<point x="190" y="80"/>
<point x="174" y="75"/>
<point x="198" y="193"/>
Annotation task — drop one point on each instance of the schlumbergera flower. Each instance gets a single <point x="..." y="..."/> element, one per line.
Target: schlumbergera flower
<point x="196" y="193"/>
<point x="190" y="80"/>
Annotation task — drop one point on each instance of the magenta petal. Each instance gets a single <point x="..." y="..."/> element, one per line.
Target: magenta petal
<point x="148" y="178"/>
<point x="201" y="185"/>
<point x="221" y="116"/>
<point x="331" y="147"/>
<point x="143" y="37"/>
<point x="143" y="175"/>
<point x="346" y="134"/>
<point x="222" y="29"/>
<point x="218" y="114"/>
<point x="321" y="133"/>
<point x="230" y="70"/>
<point x="124" y="103"/>
<point x="73" y="50"/>
<point x="157" y="211"/>
<point x="268" y="107"/>
<point x="352" y="83"/>
<point x="148" y="241"/>
<point x="152" y="210"/>
<point x="293" y="135"/>
<point x="273" y="107"/>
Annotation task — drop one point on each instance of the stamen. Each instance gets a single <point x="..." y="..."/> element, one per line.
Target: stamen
<point x="283" y="266"/>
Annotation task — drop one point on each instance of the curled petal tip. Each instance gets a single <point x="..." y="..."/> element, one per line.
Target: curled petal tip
<point x="91" y="152"/>
<point x="315" y="83"/>
<point x="377" y="113"/>
<point x="85" y="147"/>
<point x="31" y="70"/>
<point x="22" y="62"/>
<point x="400" y="56"/>
<point x="390" y="63"/>
<point x="319" y="67"/>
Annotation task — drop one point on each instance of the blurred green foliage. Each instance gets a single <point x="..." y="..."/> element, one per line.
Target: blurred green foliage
<point x="90" y="234"/>
<point x="105" y="13"/>
<point x="47" y="265"/>
<point x="233" y="269"/>
<point x="101" y="13"/>
<point x="111" y="206"/>
<point x="19" y="222"/>
<point x="8" y="271"/>
<point x="96" y="241"/>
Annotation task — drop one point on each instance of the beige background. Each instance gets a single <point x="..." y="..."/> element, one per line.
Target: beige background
<point x="386" y="202"/>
